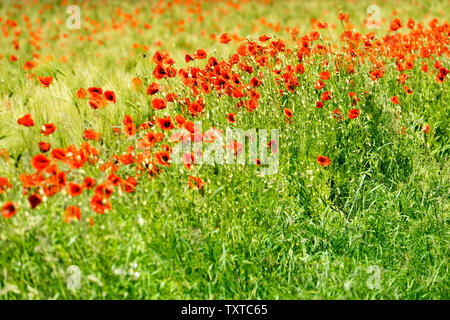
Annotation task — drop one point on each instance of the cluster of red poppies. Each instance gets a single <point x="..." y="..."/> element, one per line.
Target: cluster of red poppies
<point x="242" y="78"/>
<point x="97" y="98"/>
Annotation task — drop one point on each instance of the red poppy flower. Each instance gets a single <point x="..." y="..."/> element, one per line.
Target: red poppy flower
<point x="440" y="77"/>
<point x="319" y="84"/>
<point x="325" y="96"/>
<point x="74" y="189"/>
<point x="409" y="65"/>
<point x="162" y="158"/>
<point x="29" y="65"/>
<point x="114" y="179"/>
<point x="299" y="68"/>
<point x="81" y="93"/>
<point x="158" y="57"/>
<point x="342" y="16"/>
<point x="90" y="134"/>
<point x="48" y="128"/>
<point x="171" y="97"/>
<point x="130" y="130"/>
<point x="180" y="119"/>
<point x="224" y="38"/>
<point x="98" y="101"/>
<point x="255" y="82"/>
<point x="353" y="113"/>
<point x="40" y="162"/>
<point x="62" y="179"/>
<point x="324" y="75"/>
<point x="319" y="104"/>
<point x="165" y="123"/>
<point x="395" y="25"/>
<point x="231" y="117"/>
<point x="376" y="74"/>
<point x="426" y="128"/>
<point x="110" y="96"/>
<point x="395" y="100"/>
<point x="153" y="88"/>
<point x="34" y="200"/>
<point x="195" y="108"/>
<point x="12" y="58"/>
<point x="195" y="182"/>
<point x="46" y="81"/>
<point x="100" y="204"/>
<point x="94" y="104"/>
<point x="127" y="120"/>
<point x="104" y="189"/>
<point x="444" y="71"/>
<point x="288" y="112"/>
<point x="200" y="54"/>
<point x="150" y="139"/>
<point x="58" y="154"/>
<point x="26" y="120"/>
<point x="72" y="212"/>
<point x="4" y="185"/>
<point x="159" y="72"/>
<point x="159" y="104"/>
<point x="89" y="183"/>
<point x="44" y="146"/>
<point x="9" y="209"/>
<point x="129" y="185"/>
<point x="264" y="38"/>
<point x="408" y="90"/>
<point x="95" y="91"/>
<point x="437" y="64"/>
<point x="323" y="161"/>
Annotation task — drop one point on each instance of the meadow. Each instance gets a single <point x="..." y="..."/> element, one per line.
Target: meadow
<point x="348" y="200"/>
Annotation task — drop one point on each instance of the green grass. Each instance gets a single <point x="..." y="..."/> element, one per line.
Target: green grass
<point x="372" y="225"/>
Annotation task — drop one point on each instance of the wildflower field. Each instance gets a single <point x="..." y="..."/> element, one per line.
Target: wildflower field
<point x="195" y="149"/>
